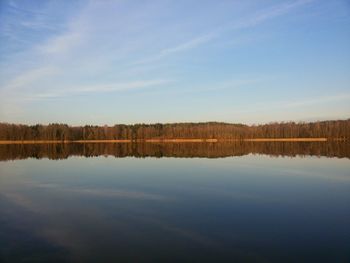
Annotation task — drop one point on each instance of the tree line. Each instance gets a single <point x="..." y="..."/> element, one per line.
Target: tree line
<point x="208" y="130"/>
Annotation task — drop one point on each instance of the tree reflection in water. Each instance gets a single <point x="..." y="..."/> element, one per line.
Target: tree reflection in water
<point x="183" y="150"/>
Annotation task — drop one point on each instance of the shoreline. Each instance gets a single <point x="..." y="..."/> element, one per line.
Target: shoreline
<point x="172" y="140"/>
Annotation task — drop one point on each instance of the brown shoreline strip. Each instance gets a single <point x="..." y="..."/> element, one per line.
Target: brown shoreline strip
<point x="169" y="140"/>
<point x="287" y="140"/>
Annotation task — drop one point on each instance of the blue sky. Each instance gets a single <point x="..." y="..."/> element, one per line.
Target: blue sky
<point x="106" y="62"/>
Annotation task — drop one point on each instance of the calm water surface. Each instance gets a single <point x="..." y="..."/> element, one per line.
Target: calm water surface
<point x="259" y="205"/>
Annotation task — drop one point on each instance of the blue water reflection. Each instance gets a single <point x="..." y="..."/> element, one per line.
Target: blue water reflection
<point x="252" y="208"/>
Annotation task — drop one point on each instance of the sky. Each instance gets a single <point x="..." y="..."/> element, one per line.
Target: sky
<point x="109" y="62"/>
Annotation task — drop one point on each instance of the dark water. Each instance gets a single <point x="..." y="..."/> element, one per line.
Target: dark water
<point x="263" y="202"/>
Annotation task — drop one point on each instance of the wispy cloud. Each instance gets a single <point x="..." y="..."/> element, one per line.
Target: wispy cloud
<point x="258" y="18"/>
<point x="171" y="56"/>
<point x="36" y="25"/>
<point x="22" y="24"/>
<point x="28" y="77"/>
<point x="192" y="43"/>
<point x="61" y="43"/>
<point x="97" y="88"/>
<point x="188" y="45"/>
<point x="317" y="100"/>
<point x="15" y="7"/>
<point x="235" y="83"/>
<point x="122" y="86"/>
<point x="297" y="103"/>
<point x="270" y="13"/>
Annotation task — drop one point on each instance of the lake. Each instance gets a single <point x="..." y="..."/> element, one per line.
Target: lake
<point x="189" y="202"/>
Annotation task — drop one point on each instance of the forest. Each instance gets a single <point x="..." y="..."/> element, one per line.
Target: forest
<point x="335" y="129"/>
